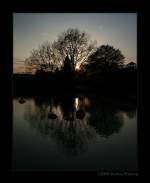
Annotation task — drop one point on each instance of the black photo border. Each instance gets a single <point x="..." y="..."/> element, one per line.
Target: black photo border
<point x="112" y="6"/>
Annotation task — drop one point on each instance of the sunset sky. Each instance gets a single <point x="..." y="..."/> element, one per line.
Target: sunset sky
<point x="32" y="29"/>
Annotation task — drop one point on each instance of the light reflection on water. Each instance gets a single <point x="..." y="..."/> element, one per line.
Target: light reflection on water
<point x="86" y="134"/>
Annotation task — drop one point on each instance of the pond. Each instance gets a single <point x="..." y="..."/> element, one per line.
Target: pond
<point x="74" y="133"/>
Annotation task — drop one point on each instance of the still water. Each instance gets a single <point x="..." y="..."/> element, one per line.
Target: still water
<point x="74" y="133"/>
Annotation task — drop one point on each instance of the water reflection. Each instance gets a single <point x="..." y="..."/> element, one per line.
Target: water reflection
<point x="71" y="132"/>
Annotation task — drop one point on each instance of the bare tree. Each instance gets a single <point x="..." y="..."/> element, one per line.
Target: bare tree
<point x="44" y="57"/>
<point x="75" y="45"/>
<point x="72" y="44"/>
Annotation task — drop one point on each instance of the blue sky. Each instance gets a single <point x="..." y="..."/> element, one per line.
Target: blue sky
<point x="116" y="29"/>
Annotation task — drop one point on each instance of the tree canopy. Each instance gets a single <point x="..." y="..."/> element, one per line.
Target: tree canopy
<point x="74" y="44"/>
<point x="106" y="57"/>
<point x="44" y="57"/>
<point x="73" y="49"/>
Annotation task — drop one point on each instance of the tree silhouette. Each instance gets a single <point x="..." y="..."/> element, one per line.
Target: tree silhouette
<point x="105" y="58"/>
<point x="44" y="58"/>
<point x="73" y="44"/>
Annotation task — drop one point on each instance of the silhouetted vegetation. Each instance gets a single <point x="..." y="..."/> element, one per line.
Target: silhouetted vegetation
<point x="72" y="44"/>
<point x="119" y="82"/>
<point x="104" y="59"/>
<point x="73" y="62"/>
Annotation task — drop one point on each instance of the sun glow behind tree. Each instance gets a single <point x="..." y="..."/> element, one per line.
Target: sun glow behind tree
<point x="72" y="43"/>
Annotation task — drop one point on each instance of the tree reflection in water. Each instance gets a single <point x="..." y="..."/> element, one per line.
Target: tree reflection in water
<point x="73" y="135"/>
